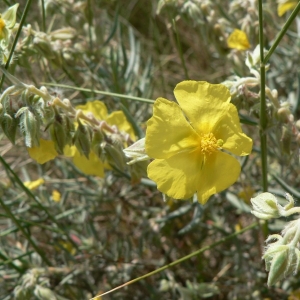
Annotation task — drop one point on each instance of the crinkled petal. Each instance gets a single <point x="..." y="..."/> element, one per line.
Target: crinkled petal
<point x="177" y="176"/>
<point x="97" y="108"/>
<point x="91" y="166"/>
<point x="168" y="131"/>
<point x="44" y="152"/>
<point x="229" y="130"/>
<point x="119" y="119"/>
<point x="220" y="171"/>
<point x="202" y="103"/>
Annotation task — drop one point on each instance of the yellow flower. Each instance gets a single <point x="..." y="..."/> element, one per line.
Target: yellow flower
<point x="187" y="140"/>
<point x="117" y="118"/>
<point x="32" y="185"/>
<point x="56" y="196"/>
<point x="43" y="153"/>
<point x="238" y="40"/>
<point x="284" y="6"/>
<point x="94" y="165"/>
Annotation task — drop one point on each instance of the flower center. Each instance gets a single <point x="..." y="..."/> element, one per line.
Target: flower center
<point x="210" y="144"/>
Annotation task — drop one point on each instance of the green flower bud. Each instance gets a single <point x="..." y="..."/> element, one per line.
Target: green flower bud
<point x="136" y="152"/>
<point x="44" y="293"/>
<point x="63" y="33"/>
<point x="115" y="156"/>
<point x="61" y="130"/>
<point x="97" y="139"/>
<point x="82" y="139"/>
<point x="9" y="126"/>
<point x="29" y="126"/>
<point x="265" y="206"/>
<point x="286" y="140"/>
<point x="281" y="261"/>
<point x="10" y="16"/>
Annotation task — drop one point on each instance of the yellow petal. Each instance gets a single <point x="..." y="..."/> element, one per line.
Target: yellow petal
<point x="229" y="130"/>
<point x="238" y="40"/>
<point x="69" y="151"/>
<point x="91" y="166"/>
<point x="97" y="108"/>
<point x="284" y="7"/>
<point x="45" y="152"/>
<point x="177" y="176"/>
<point x="220" y="171"/>
<point x="202" y="103"/>
<point x="168" y="131"/>
<point x="32" y="185"/>
<point x="119" y="119"/>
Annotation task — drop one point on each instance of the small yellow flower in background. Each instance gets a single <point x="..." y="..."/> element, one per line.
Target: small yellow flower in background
<point x="238" y="40"/>
<point x="45" y="152"/>
<point x="56" y="196"/>
<point x="284" y="6"/>
<point x="32" y="185"/>
<point x="186" y="141"/>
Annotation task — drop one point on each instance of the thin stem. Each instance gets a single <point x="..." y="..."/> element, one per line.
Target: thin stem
<point x="282" y="32"/>
<point x="27" y="236"/>
<point x="178" y="261"/>
<point x="43" y="15"/>
<point x="16" y="40"/>
<point x="146" y="100"/>
<point x="180" y="50"/>
<point x="263" y="117"/>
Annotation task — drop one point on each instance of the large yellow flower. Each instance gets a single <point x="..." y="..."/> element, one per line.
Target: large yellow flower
<point x="189" y="141"/>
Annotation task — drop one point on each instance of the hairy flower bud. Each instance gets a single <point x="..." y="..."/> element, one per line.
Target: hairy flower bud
<point x="82" y="139"/>
<point x="281" y="261"/>
<point x="136" y="152"/>
<point x="265" y="206"/>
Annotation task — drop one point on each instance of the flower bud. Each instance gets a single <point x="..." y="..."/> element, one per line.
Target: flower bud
<point x="283" y="114"/>
<point x="136" y="152"/>
<point x="44" y="293"/>
<point x="61" y="131"/>
<point x="9" y="126"/>
<point x="281" y="261"/>
<point x="115" y="156"/>
<point x="63" y="33"/>
<point x="29" y="126"/>
<point x="265" y="206"/>
<point x="82" y="139"/>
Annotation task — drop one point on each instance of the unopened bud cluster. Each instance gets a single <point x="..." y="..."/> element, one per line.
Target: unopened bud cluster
<point x="282" y="257"/>
<point x="34" y="111"/>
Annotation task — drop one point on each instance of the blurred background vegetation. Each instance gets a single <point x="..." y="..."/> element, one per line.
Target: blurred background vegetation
<point x="102" y="232"/>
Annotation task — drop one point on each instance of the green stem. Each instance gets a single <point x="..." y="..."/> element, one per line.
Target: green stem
<point x="180" y="50"/>
<point x="10" y="263"/>
<point x="146" y="100"/>
<point x="178" y="261"/>
<point x="16" y="40"/>
<point x="44" y="15"/>
<point x="27" y="236"/>
<point x="263" y="115"/>
<point x="282" y="32"/>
